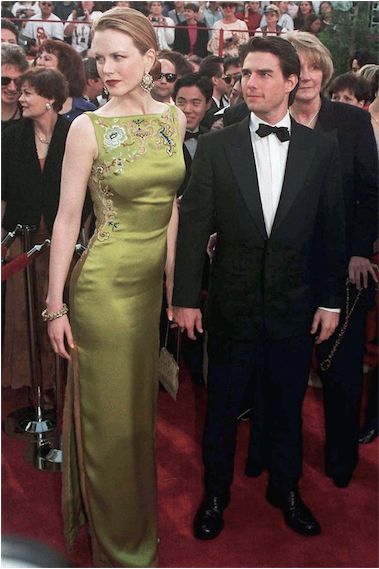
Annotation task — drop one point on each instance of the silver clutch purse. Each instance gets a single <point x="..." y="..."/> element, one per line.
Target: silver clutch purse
<point x="168" y="368"/>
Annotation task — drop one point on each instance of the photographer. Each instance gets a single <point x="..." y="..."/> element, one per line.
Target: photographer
<point x="165" y="35"/>
<point x="78" y="26"/>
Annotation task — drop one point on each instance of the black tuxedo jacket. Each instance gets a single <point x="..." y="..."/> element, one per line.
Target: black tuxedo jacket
<point x="359" y="163"/>
<point x="258" y="282"/>
<point x="182" y="41"/>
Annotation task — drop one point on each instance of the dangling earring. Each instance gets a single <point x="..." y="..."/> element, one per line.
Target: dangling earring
<point x="48" y="106"/>
<point x="147" y="82"/>
<point x="105" y="90"/>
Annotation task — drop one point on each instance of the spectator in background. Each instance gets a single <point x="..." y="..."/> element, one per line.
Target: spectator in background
<point x="9" y="32"/>
<point x="360" y="58"/>
<point x="236" y="95"/>
<point x="349" y="88"/>
<point x="195" y="61"/>
<point x="59" y="55"/>
<point x="63" y="9"/>
<point x="37" y="32"/>
<point x="13" y="64"/>
<point x="370" y="72"/>
<point x="232" y="73"/>
<point x="285" y="20"/>
<point x="305" y="9"/>
<point x="177" y="13"/>
<point x="272" y="14"/>
<point x="252" y="16"/>
<point x="234" y="32"/>
<point x="78" y="26"/>
<point x="213" y="67"/>
<point x="325" y="10"/>
<point x="94" y="85"/>
<point x="164" y="86"/>
<point x="211" y="13"/>
<point x="182" y="65"/>
<point x="164" y="27"/>
<point x="25" y="9"/>
<point x="191" y="37"/>
<point x="313" y="24"/>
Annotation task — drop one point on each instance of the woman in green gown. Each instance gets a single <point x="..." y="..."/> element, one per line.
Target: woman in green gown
<point x="130" y="153"/>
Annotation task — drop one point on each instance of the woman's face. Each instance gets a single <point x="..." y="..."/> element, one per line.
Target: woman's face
<point x="120" y="64"/>
<point x="311" y="77"/>
<point x="33" y="104"/>
<point x="305" y="8"/>
<point x="47" y="60"/>
<point x="87" y="6"/>
<point x="316" y="26"/>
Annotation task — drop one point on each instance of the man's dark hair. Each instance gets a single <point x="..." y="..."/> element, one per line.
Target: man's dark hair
<point x="202" y="82"/>
<point x="231" y="61"/>
<point x="191" y="6"/>
<point x="90" y="68"/>
<point x="8" y="25"/>
<point x="363" y="56"/>
<point x="288" y="59"/>
<point x="210" y="66"/>
<point x="359" y="86"/>
<point x="182" y="65"/>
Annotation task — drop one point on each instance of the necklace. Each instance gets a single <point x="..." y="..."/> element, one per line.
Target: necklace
<point x="308" y="124"/>
<point x="41" y="139"/>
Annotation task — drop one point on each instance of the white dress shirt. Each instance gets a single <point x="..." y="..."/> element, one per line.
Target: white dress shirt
<point x="270" y="160"/>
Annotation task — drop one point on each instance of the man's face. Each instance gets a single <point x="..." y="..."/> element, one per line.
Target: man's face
<point x="179" y="6"/>
<point x="8" y="37"/>
<point x="254" y="6"/>
<point x="46" y="8"/>
<point x="10" y="92"/>
<point x="219" y="84"/>
<point x="232" y="74"/>
<point x="156" y="8"/>
<point x="355" y="66"/>
<point x="347" y="96"/>
<point x="265" y="88"/>
<point x="193" y="104"/>
<point x="283" y="7"/>
<point x="163" y="89"/>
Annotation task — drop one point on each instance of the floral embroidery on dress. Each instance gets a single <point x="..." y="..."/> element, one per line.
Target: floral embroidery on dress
<point x="114" y="136"/>
<point x="104" y="192"/>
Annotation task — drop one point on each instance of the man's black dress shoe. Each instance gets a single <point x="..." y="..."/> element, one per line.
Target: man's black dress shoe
<point x="296" y="514"/>
<point x="208" y="522"/>
<point x="367" y="436"/>
<point x="342" y="480"/>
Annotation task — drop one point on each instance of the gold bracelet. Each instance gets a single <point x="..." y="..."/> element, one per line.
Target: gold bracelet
<point x="49" y="316"/>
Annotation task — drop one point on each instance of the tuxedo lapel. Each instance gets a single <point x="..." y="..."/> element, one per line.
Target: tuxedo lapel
<point x="300" y="155"/>
<point x="241" y="156"/>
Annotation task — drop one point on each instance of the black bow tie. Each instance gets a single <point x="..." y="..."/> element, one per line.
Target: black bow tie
<point x="190" y="135"/>
<point x="281" y="131"/>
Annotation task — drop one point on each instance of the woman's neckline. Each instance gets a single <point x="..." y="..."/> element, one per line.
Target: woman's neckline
<point x="160" y="113"/>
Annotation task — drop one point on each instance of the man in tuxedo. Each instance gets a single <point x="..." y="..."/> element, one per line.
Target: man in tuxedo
<point x="271" y="189"/>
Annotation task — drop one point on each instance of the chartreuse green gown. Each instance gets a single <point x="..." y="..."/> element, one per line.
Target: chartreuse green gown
<point x="109" y="479"/>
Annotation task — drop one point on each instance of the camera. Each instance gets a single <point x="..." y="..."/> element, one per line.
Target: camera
<point x="79" y="11"/>
<point x="154" y="19"/>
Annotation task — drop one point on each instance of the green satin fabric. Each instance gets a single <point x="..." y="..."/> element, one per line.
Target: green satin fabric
<point x="115" y="300"/>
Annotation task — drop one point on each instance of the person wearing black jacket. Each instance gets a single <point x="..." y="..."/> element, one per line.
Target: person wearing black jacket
<point x="271" y="188"/>
<point x="191" y="36"/>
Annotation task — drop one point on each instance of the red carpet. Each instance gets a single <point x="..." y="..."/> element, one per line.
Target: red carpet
<point x="255" y="534"/>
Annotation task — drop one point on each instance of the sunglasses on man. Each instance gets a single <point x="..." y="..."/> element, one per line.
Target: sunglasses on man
<point x="170" y="77"/>
<point x="229" y="78"/>
<point x="5" y="81"/>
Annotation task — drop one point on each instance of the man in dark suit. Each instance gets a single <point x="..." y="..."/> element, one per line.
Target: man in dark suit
<point x="270" y="188"/>
<point x="191" y="36"/>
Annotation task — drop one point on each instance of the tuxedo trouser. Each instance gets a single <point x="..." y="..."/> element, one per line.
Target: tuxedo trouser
<point x="342" y="390"/>
<point x="279" y="370"/>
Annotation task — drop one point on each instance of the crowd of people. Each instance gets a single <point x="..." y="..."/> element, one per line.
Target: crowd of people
<point x="247" y="175"/>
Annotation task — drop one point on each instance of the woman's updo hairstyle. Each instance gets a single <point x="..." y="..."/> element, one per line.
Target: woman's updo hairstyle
<point x="135" y="25"/>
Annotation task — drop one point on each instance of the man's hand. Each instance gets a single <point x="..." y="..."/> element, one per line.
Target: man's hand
<point x="328" y="321"/>
<point x="359" y="269"/>
<point x="188" y="319"/>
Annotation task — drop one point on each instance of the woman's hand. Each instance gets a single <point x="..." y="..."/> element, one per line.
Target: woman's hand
<point x="59" y="330"/>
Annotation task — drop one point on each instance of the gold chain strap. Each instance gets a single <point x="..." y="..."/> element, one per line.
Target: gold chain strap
<point x="325" y="365"/>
